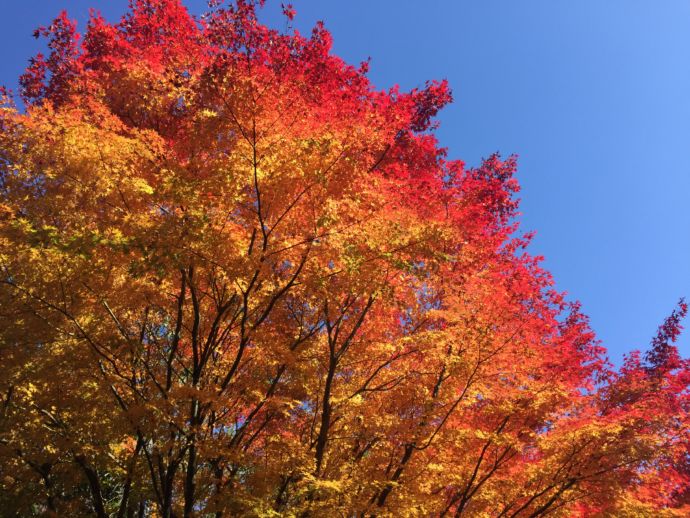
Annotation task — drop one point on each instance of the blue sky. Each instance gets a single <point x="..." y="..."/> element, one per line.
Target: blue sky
<point x="594" y="97"/>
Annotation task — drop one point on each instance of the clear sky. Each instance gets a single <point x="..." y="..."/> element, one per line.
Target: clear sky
<point x="593" y="95"/>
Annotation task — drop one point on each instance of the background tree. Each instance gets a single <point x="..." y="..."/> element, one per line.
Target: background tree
<point x="236" y="279"/>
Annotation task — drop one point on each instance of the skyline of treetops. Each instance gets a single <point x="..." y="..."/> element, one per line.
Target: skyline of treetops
<point x="238" y="279"/>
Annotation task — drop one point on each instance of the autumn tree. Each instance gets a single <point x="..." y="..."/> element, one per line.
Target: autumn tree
<point x="236" y="279"/>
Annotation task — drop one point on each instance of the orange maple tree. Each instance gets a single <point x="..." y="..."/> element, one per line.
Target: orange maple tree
<point x="237" y="279"/>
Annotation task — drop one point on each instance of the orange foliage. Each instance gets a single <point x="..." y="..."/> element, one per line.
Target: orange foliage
<point x="236" y="279"/>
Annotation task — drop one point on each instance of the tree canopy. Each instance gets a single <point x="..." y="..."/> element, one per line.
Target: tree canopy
<point x="236" y="279"/>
